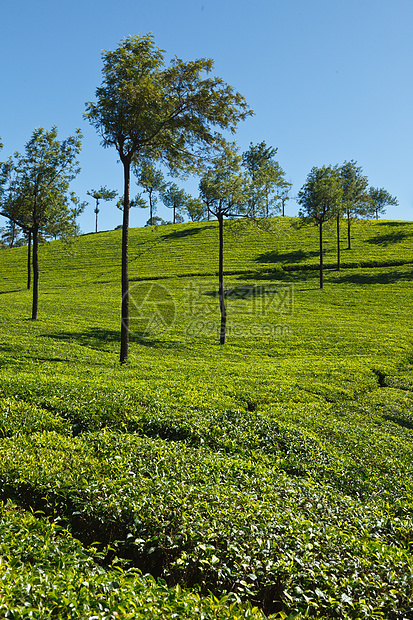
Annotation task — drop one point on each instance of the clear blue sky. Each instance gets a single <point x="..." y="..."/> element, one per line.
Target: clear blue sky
<point x="328" y="80"/>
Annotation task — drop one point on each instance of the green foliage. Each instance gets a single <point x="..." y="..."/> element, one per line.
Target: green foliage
<point x="45" y="573"/>
<point x="355" y="196"/>
<point x="321" y="194"/>
<point x="265" y="180"/>
<point x="101" y="194"/>
<point x="275" y="471"/>
<point x="380" y="198"/>
<point x="36" y="192"/>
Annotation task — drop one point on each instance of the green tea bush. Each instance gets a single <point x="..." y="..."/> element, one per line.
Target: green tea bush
<point x="45" y="573"/>
<point x="275" y="470"/>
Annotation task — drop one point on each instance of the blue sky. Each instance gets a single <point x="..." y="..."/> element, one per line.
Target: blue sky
<point x="328" y="80"/>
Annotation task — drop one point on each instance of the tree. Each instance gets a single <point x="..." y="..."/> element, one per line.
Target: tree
<point x="355" y="197"/>
<point x="379" y="199"/>
<point x="175" y="199"/>
<point x="10" y="235"/>
<point x="36" y="191"/>
<point x="320" y="197"/>
<point x="195" y="208"/>
<point x="172" y="115"/>
<point x="101" y="194"/>
<point x="156" y="221"/>
<point x="223" y="187"/>
<point x="266" y="180"/>
<point x="152" y="182"/>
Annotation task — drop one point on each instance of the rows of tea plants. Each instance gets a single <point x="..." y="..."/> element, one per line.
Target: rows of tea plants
<point x="271" y="477"/>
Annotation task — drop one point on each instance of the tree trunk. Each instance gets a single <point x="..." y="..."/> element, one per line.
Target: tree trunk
<point x="321" y="253"/>
<point x="29" y="266"/>
<point x="222" y="308"/>
<point x="348" y="231"/>
<point x="96" y="221"/>
<point x="124" y="330"/>
<point x="35" y="305"/>
<point x="338" y="243"/>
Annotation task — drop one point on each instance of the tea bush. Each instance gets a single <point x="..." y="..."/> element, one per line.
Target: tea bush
<point x="274" y="472"/>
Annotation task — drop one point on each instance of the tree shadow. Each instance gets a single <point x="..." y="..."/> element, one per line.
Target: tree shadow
<point x="185" y="232"/>
<point x="400" y="421"/>
<point x="96" y="337"/>
<point x="373" y="278"/>
<point x="392" y="223"/>
<point x="248" y="291"/>
<point x="285" y="257"/>
<point x="297" y="275"/>
<point x="393" y="237"/>
<point x="15" y="290"/>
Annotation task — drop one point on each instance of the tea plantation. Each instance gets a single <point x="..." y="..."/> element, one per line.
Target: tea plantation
<point x="271" y="477"/>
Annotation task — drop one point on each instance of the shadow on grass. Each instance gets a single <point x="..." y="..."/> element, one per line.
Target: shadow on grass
<point x="387" y="277"/>
<point x="96" y="337"/>
<point x="393" y="237"/>
<point x="281" y="275"/>
<point x="392" y="223"/>
<point x="400" y="421"/>
<point x="249" y="291"/>
<point x="186" y="232"/>
<point x="15" y="290"/>
<point x="285" y="257"/>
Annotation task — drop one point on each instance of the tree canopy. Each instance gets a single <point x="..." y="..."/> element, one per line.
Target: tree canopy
<point x="265" y="179"/>
<point x="170" y="114"/>
<point x="35" y="190"/>
<point x="320" y="199"/>
<point x="380" y="199"/>
<point x="101" y="194"/>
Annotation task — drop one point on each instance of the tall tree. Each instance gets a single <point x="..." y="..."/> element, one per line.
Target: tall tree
<point x="223" y="187"/>
<point x="266" y="180"/>
<point x="101" y="194"/>
<point x="355" y="196"/>
<point x="171" y="115"/>
<point x="195" y="208"/>
<point x="175" y="199"/>
<point x="320" y="197"/>
<point x="152" y="182"/>
<point x="379" y="200"/>
<point x="36" y="186"/>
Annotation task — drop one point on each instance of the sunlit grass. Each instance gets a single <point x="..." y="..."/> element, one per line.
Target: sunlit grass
<point x="277" y="467"/>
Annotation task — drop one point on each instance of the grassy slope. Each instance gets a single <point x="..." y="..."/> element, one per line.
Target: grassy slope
<point x="307" y="428"/>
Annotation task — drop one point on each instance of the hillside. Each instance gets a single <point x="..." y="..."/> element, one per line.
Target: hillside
<point x="275" y="472"/>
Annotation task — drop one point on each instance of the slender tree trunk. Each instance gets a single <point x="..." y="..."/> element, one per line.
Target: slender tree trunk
<point x="223" y="328"/>
<point x="124" y="330"/>
<point x="13" y="234"/>
<point x="338" y="243"/>
<point x="174" y="214"/>
<point x="348" y="230"/>
<point x="35" y="305"/>
<point x="321" y="253"/>
<point x="29" y="266"/>
<point x="96" y="220"/>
